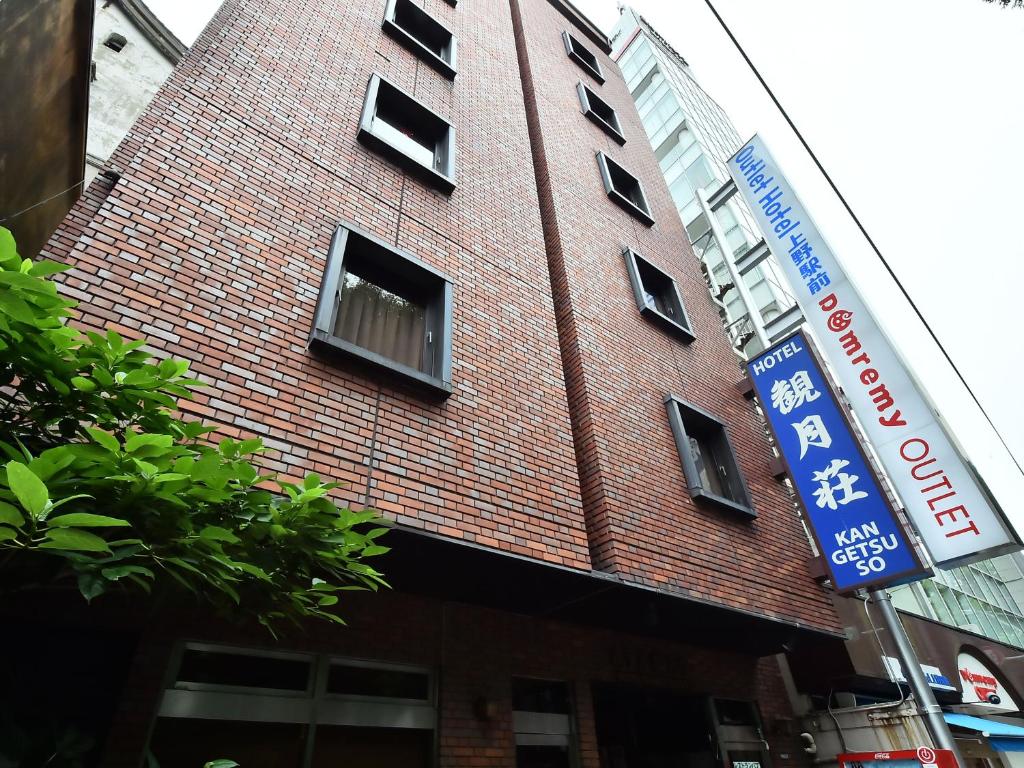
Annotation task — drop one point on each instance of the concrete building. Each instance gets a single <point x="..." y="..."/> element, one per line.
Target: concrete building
<point x="458" y="284"/>
<point x="133" y="54"/>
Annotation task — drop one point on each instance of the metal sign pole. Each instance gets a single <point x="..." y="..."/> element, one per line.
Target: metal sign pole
<point x="926" y="703"/>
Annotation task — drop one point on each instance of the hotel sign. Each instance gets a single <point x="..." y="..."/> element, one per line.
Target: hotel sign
<point x="957" y="520"/>
<point x="856" y="529"/>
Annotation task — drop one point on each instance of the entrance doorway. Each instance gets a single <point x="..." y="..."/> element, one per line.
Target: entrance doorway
<point x="655" y="728"/>
<point x="652" y="728"/>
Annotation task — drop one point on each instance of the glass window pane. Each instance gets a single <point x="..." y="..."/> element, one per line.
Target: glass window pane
<point x="549" y="696"/>
<point x="338" y="746"/>
<point x="236" y="669"/>
<point x="183" y="743"/>
<point x="371" y="681"/>
<point x="381" y="321"/>
<point x="542" y="756"/>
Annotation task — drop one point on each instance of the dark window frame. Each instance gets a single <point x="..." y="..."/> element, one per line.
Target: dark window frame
<point x="116" y="42"/>
<point x="439" y="309"/>
<point x="679" y="413"/>
<point x="680" y="327"/>
<point x="575" y="50"/>
<point x="442" y="173"/>
<point x="609" y="168"/>
<point x="444" y="63"/>
<point x="588" y="98"/>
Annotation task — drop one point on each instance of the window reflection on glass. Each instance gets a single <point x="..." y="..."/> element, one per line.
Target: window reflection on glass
<point x="708" y="469"/>
<point x="381" y="321"/>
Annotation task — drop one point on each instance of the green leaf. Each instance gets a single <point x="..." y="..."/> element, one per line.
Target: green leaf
<point x="86" y="520"/>
<point x="216" y="533"/>
<point x="16" y="307"/>
<point x="104" y="439"/>
<point x="9" y="515"/>
<point x="46" y="268"/>
<point x="221" y="763"/>
<point x="7" y="534"/>
<point x="29" y="489"/>
<point x="91" y="585"/>
<point x="84" y="384"/>
<point x="119" y="571"/>
<point x="8" y="248"/>
<point x="75" y="540"/>
<point x="375" y="549"/>
<point x="135" y="442"/>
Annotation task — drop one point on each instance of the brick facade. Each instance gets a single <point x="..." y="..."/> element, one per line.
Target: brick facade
<point x="554" y="444"/>
<point x="475" y="652"/>
<point x="642" y="523"/>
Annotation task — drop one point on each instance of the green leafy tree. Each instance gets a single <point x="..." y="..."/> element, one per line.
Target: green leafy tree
<point x="105" y="485"/>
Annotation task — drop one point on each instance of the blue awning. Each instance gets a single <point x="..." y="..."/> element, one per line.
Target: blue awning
<point x="1002" y="737"/>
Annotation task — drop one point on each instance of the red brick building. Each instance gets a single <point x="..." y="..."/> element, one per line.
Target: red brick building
<point x="424" y="248"/>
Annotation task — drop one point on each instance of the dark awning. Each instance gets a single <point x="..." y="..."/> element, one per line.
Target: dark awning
<point x="440" y="567"/>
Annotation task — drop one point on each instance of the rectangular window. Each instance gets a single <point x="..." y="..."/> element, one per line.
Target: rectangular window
<point x="709" y="462"/>
<point x="408" y="133"/>
<point x="387" y="308"/>
<point x="350" y="712"/>
<point x="586" y="60"/>
<point x="600" y="112"/>
<point x="624" y="188"/>
<point x="657" y="296"/>
<point x="422" y="34"/>
<point x="216" y="668"/>
<point x="378" y="681"/>
<point x="543" y="722"/>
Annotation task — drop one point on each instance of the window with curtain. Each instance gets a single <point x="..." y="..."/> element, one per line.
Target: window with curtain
<point x="709" y="461"/>
<point x="386" y="307"/>
<point x="382" y="321"/>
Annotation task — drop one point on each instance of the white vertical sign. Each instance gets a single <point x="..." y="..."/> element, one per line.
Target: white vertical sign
<point x="956" y="519"/>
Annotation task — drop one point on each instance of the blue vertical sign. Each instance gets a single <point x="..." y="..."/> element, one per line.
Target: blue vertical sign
<point x="856" y="529"/>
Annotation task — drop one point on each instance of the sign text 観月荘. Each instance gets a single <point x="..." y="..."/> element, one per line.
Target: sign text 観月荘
<point x="857" y="531"/>
<point x="957" y="521"/>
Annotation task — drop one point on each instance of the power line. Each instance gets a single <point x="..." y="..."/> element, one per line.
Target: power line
<point x="41" y="202"/>
<point x="863" y="230"/>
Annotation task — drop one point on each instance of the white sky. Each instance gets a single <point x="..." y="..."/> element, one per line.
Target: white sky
<point x="916" y="110"/>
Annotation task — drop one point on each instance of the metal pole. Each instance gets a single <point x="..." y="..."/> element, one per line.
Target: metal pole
<point x="926" y="704"/>
<point x="753" y="312"/>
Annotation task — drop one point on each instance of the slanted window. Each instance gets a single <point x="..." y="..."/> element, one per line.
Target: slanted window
<point x="657" y="296"/>
<point x="600" y="112"/>
<point x="422" y="34"/>
<point x="116" y="42"/>
<point x="385" y="307"/>
<point x="709" y="462"/>
<point x="624" y="188"/>
<point x="583" y="57"/>
<point x="402" y="129"/>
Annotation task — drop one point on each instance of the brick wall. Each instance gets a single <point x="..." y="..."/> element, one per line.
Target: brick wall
<point x="214" y="241"/>
<point x="642" y="522"/>
<point x="475" y="653"/>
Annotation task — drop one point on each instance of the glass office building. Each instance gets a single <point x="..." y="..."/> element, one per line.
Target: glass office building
<point x="693" y="138"/>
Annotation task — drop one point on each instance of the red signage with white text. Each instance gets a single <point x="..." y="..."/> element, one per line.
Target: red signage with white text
<point x="922" y="757"/>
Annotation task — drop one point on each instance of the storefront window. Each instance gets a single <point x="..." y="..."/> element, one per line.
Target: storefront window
<point x="293" y="710"/>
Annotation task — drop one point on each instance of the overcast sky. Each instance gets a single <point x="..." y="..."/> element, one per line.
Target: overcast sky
<point x="914" y="107"/>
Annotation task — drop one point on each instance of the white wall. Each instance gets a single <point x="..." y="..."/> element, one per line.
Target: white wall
<point x="125" y="82"/>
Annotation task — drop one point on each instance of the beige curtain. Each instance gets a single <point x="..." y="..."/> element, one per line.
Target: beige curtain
<point x="380" y="321"/>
